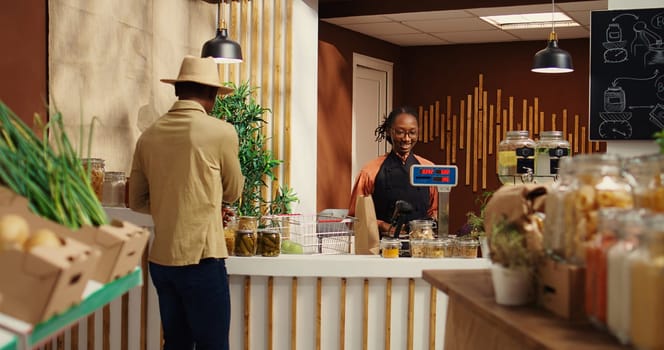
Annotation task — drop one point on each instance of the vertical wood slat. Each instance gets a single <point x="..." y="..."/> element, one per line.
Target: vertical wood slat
<point x="234" y="30"/>
<point x="565" y="124"/>
<point x="293" y="311"/>
<point x="491" y="124"/>
<point x="532" y="120"/>
<point x="570" y="138"/>
<point x="411" y="312"/>
<point x="499" y="107"/>
<point x="454" y="138"/>
<point x="244" y="37"/>
<point x="342" y="316"/>
<point x="469" y="106"/>
<point x="524" y="121"/>
<point x="438" y="120"/>
<point x="475" y="139"/>
<point x="74" y="336"/>
<point x="583" y="140"/>
<point x="144" y="301"/>
<point x="124" y="322"/>
<point x="462" y="123"/>
<point x="432" y="316"/>
<point x="247" y="313"/>
<point x="60" y="342"/>
<point x="319" y="309"/>
<point x="505" y="126"/>
<point x="270" y="313"/>
<point x="538" y="125"/>
<point x="498" y="127"/>
<point x="477" y="121"/>
<point x="541" y="122"/>
<point x="576" y="133"/>
<point x="91" y="332"/>
<point x="420" y="122"/>
<point x="511" y="113"/>
<point x="365" y="314"/>
<point x="425" y="136"/>
<point x="106" y="327"/>
<point x="554" y="125"/>
<point x="432" y="123"/>
<point x="448" y="112"/>
<point x="447" y="147"/>
<point x="277" y="86"/>
<point x="288" y="91"/>
<point x="258" y="16"/>
<point x="485" y="139"/>
<point x="388" y="314"/>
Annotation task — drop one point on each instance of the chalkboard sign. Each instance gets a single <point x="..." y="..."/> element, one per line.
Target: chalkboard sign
<point x="626" y="74"/>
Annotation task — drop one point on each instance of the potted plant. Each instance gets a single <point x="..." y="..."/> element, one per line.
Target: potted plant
<point x="475" y="223"/>
<point x="256" y="160"/>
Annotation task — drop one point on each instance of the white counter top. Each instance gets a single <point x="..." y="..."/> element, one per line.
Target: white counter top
<point x="346" y="266"/>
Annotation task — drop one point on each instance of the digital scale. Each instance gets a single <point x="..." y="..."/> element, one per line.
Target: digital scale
<point x="444" y="177"/>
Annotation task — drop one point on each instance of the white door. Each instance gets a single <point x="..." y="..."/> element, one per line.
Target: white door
<point x="372" y="101"/>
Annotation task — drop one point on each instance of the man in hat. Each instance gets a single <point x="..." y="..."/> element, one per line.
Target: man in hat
<point x="184" y="166"/>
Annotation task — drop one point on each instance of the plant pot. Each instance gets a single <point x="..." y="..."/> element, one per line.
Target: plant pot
<point x="512" y="286"/>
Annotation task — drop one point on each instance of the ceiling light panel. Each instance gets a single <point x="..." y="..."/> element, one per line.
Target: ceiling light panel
<point x="530" y="20"/>
<point x="450" y="25"/>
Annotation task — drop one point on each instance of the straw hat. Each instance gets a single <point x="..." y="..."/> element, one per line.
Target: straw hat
<point x="199" y="70"/>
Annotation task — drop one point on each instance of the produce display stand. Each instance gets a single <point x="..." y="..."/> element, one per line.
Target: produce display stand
<point x="18" y="335"/>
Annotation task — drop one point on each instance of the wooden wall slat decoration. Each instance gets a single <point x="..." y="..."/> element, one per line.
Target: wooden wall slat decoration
<point x="342" y="316"/>
<point x="106" y="327"/>
<point x="294" y="313"/>
<point x="319" y="308"/>
<point x="365" y="314"/>
<point x="247" y="313"/>
<point x="411" y="306"/>
<point x="124" y="323"/>
<point x="74" y="336"/>
<point x="483" y="124"/>
<point x="270" y="313"/>
<point x="432" y="318"/>
<point x="433" y="124"/>
<point x="388" y="313"/>
<point x="439" y="122"/>
<point x="287" y="76"/>
<point x="91" y="332"/>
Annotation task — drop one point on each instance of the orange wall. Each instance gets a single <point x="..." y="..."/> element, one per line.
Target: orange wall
<point x="23" y="64"/>
<point x="424" y="75"/>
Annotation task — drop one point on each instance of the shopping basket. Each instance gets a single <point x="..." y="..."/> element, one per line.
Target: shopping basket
<point x="317" y="234"/>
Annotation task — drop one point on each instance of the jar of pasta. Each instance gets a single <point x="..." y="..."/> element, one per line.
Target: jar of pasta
<point x="95" y="167"/>
<point x="516" y="157"/>
<point x="647" y="287"/>
<point x="598" y="183"/>
<point x="550" y="148"/>
<point x="647" y="179"/>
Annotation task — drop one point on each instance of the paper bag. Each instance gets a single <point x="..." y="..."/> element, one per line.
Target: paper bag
<point x="366" y="227"/>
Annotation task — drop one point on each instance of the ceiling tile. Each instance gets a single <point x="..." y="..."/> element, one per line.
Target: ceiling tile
<point x="357" y="19"/>
<point x="483" y="36"/>
<point x="450" y="25"/>
<point x="510" y="10"/>
<point x="543" y="34"/>
<point x="413" y="39"/>
<point x="426" y="16"/>
<point x="375" y="29"/>
<point x="580" y="17"/>
<point x="584" y="5"/>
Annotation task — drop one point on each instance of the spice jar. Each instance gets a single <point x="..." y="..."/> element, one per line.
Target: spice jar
<point x="417" y="248"/>
<point x="229" y="235"/>
<point x="245" y="243"/>
<point x="554" y="231"/>
<point x="435" y="248"/>
<point x="113" y="193"/>
<point x="548" y="151"/>
<point x="449" y="248"/>
<point x="515" y="157"/>
<point x="389" y="247"/>
<point x="467" y="248"/>
<point x="596" y="264"/>
<point x="647" y="286"/>
<point x="646" y="176"/>
<point x="618" y="277"/>
<point x="421" y="229"/>
<point x="598" y="183"/>
<point x="95" y="167"/>
<point x="269" y="242"/>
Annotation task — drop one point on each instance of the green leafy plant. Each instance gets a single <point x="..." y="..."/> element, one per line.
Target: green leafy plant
<point x="659" y="139"/>
<point x="475" y="221"/>
<point x="509" y="248"/>
<point x="257" y="162"/>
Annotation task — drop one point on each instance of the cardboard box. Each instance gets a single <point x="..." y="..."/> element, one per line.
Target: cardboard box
<point x="561" y="289"/>
<point x="120" y="243"/>
<point x="46" y="281"/>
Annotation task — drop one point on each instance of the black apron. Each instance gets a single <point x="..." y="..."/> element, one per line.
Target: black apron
<point x="392" y="183"/>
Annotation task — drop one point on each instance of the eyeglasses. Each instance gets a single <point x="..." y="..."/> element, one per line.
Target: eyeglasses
<point x="402" y="133"/>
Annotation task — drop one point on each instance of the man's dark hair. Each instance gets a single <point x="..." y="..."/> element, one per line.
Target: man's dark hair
<point x="382" y="132"/>
<point x="184" y="89"/>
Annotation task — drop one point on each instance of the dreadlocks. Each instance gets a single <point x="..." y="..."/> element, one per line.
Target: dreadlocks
<point x="382" y="132"/>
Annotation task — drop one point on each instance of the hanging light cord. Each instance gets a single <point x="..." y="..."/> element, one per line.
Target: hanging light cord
<point x="553" y="22"/>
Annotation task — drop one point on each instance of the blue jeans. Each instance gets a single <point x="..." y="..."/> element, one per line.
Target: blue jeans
<point x="194" y="304"/>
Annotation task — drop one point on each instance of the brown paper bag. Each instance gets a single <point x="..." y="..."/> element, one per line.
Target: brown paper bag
<point x="366" y="227"/>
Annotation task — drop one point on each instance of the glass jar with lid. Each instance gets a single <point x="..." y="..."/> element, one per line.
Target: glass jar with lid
<point x="550" y="148"/>
<point x="389" y="247"/>
<point x="599" y="182"/>
<point x="269" y="242"/>
<point x="467" y="248"/>
<point x="113" y="194"/>
<point x="95" y="167"/>
<point x="553" y="234"/>
<point x="245" y="242"/>
<point x="417" y="248"/>
<point x="515" y="157"/>
<point x="646" y="176"/>
<point x="647" y="286"/>
<point x="421" y="229"/>
<point x="435" y="248"/>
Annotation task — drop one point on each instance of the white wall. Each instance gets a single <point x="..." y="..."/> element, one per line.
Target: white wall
<point x="632" y="148"/>
<point x="304" y="104"/>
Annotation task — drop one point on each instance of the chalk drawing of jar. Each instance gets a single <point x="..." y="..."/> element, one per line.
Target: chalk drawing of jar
<point x="614" y="99"/>
<point x="655" y="54"/>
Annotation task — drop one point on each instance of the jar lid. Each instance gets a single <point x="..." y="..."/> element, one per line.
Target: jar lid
<point x="467" y="243"/>
<point x="552" y="133"/>
<point x="244" y="232"/>
<point x="92" y="160"/>
<point x="518" y="133"/>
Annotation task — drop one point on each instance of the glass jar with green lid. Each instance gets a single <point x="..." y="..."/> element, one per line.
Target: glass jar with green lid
<point x="515" y="157"/>
<point x="548" y="151"/>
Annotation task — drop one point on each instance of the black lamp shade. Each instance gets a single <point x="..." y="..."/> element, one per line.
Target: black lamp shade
<point x="552" y="59"/>
<point x="222" y="49"/>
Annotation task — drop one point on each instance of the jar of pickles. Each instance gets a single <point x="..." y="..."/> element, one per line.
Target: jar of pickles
<point x="95" y="167"/>
<point x="389" y="247"/>
<point x="550" y="148"/>
<point x="515" y="157"/>
<point x="647" y="286"/>
<point x="647" y="179"/>
<point x="269" y="242"/>
<point x="245" y="242"/>
<point x="421" y="229"/>
<point x="598" y="183"/>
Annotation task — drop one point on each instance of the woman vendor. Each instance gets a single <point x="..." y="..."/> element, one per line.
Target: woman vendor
<point x="387" y="178"/>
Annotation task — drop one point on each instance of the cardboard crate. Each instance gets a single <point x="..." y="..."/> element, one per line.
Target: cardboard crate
<point x="121" y="245"/>
<point x="561" y="289"/>
<point x="38" y="284"/>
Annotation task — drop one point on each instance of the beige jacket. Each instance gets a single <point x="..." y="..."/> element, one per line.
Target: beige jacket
<point x="184" y="165"/>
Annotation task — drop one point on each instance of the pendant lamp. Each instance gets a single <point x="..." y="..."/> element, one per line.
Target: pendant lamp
<point x="222" y="49"/>
<point x="552" y="59"/>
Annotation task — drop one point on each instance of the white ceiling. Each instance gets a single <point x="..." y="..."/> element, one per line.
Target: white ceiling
<point x="465" y="26"/>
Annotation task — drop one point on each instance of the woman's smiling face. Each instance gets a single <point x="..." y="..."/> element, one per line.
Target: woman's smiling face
<point x="404" y="134"/>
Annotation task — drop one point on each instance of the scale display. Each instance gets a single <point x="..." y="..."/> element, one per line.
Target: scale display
<point x="433" y="175"/>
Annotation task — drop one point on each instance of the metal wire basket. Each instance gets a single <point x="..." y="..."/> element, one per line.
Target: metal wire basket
<point x="315" y="233"/>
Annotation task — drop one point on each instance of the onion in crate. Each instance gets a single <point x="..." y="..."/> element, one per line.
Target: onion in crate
<point x="13" y="231"/>
<point x="42" y="238"/>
